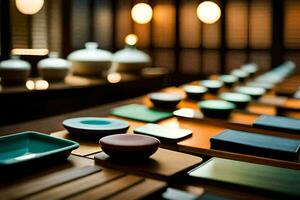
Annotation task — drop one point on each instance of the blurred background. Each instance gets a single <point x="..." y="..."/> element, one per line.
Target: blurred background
<point x="266" y="32"/>
<point x="188" y="40"/>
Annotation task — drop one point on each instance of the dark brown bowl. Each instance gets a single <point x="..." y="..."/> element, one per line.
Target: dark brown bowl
<point x="129" y="146"/>
<point x="164" y="100"/>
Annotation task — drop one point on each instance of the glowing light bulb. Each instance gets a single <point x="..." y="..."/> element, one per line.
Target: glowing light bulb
<point x="131" y="39"/>
<point x="141" y="13"/>
<point x="29" y="7"/>
<point x="114" y="77"/>
<point x="208" y="12"/>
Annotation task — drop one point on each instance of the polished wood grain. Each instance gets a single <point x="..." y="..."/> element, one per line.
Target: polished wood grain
<point x="162" y="165"/>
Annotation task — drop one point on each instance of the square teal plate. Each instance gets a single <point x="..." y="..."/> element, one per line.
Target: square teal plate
<point x="141" y="113"/>
<point x="31" y="146"/>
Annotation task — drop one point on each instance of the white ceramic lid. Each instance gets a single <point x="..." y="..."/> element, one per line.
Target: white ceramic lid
<point x="91" y="53"/>
<point x="54" y="62"/>
<point x="131" y="55"/>
<point x="15" y="63"/>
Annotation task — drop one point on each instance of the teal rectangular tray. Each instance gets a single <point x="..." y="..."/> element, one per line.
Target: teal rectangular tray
<point x="31" y="146"/>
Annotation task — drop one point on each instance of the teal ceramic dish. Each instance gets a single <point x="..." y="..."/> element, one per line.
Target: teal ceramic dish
<point x="240" y="74"/>
<point x="27" y="147"/>
<point x="228" y="80"/>
<point x="216" y="108"/>
<point x="94" y="127"/>
<point x="195" y="92"/>
<point x="254" y="92"/>
<point x="240" y="100"/>
<point x="164" y="100"/>
<point x="213" y="86"/>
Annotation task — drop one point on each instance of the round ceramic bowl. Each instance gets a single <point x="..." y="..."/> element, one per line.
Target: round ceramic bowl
<point x="94" y="127"/>
<point x="240" y="74"/>
<point x="216" y="108"/>
<point x="14" y="71"/>
<point x="14" y="76"/>
<point x="250" y="68"/>
<point x="129" y="146"/>
<point x="90" y="68"/>
<point x="52" y="74"/>
<point x="132" y="68"/>
<point x="228" y="80"/>
<point x="254" y="92"/>
<point x="195" y="92"/>
<point x="164" y="100"/>
<point x="266" y="86"/>
<point x="240" y="100"/>
<point x="213" y="86"/>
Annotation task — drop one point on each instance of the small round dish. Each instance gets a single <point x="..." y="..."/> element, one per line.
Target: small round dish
<point x="240" y="74"/>
<point x="240" y="100"/>
<point x="254" y="92"/>
<point x="94" y="127"/>
<point x="250" y="68"/>
<point x="194" y="91"/>
<point x="216" y="108"/>
<point x="129" y="146"/>
<point x="213" y="86"/>
<point x="228" y="80"/>
<point x="164" y="100"/>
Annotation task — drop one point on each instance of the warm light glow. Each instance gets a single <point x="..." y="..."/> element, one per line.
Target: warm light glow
<point x="37" y="85"/>
<point x="208" y="12"/>
<point x="31" y="52"/>
<point x="29" y="7"/>
<point x="114" y="77"/>
<point x="131" y="39"/>
<point x="141" y="13"/>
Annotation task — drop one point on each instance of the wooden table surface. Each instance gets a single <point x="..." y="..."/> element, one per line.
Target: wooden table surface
<point x="78" y="178"/>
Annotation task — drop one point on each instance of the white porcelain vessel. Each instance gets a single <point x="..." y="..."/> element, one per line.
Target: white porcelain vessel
<point x="53" y="68"/>
<point x="14" y="71"/>
<point x="130" y="60"/>
<point x="90" y="61"/>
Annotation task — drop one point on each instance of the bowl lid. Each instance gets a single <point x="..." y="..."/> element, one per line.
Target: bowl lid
<point x="212" y="83"/>
<point x="235" y="97"/>
<point x="91" y="53"/>
<point x="195" y="89"/>
<point x="250" y="68"/>
<point x="216" y="105"/>
<point x="54" y="62"/>
<point x="250" y="90"/>
<point x="131" y="55"/>
<point x="228" y="78"/>
<point x="239" y="73"/>
<point x="15" y="63"/>
<point x="129" y="141"/>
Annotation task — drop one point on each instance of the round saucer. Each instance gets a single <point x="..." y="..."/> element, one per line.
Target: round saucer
<point x="213" y="86"/>
<point x="164" y="100"/>
<point x="254" y="92"/>
<point x="195" y="91"/>
<point x="229" y="80"/>
<point x="129" y="146"/>
<point x="94" y="127"/>
<point x="216" y="108"/>
<point x="240" y="100"/>
<point x="240" y="74"/>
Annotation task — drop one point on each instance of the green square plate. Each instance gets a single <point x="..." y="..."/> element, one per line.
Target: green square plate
<point x="31" y="146"/>
<point x="141" y="113"/>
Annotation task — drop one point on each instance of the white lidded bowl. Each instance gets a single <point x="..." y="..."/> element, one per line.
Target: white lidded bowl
<point x="130" y="60"/>
<point x="53" y="68"/>
<point x="90" y="61"/>
<point x="14" y="71"/>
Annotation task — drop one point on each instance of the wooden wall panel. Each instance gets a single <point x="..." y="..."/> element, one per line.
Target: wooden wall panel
<point x="292" y="24"/>
<point x="164" y="24"/>
<point x="123" y="22"/>
<point x="236" y="24"/>
<point x="190" y="34"/>
<point x="260" y="24"/>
